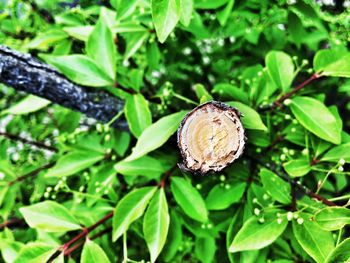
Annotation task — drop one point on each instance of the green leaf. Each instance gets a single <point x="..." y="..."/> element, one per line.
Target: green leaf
<point x="317" y="242"/>
<point x="205" y="249"/>
<point x="186" y="9"/>
<point x="146" y="165"/>
<point x="165" y="14"/>
<point x="44" y="40"/>
<point x="251" y="119"/>
<point x="35" y="253"/>
<point x="275" y="186"/>
<point x="255" y="235"/>
<point x="316" y="118"/>
<point x="332" y="63"/>
<point x="189" y="199"/>
<point x="130" y="208"/>
<point x="29" y="104"/>
<point x="74" y="162"/>
<point x="93" y="253"/>
<point x="137" y="114"/>
<point x="209" y="4"/>
<point x="156" y="135"/>
<point x="80" y="69"/>
<point x="337" y="153"/>
<point x="50" y="217"/>
<point x="101" y="48"/>
<point x="225" y="13"/>
<point x="134" y="42"/>
<point x="341" y="254"/>
<point x="125" y="8"/>
<point x="280" y="67"/>
<point x="220" y="197"/>
<point x="156" y="224"/>
<point x="333" y="218"/>
<point x="79" y="32"/>
<point x="297" y="167"/>
<point x="174" y="238"/>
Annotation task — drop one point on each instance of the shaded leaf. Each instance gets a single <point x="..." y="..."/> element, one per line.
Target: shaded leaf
<point x="297" y="167"/>
<point x="341" y="253"/>
<point x="337" y="153"/>
<point x="221" y="198"/>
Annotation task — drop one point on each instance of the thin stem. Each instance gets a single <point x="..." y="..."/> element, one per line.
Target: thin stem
<point x="41" y="145"/>
<point x="324" y="180"/>
<point x="31" y="174"/>
<point x="339" y="236"/>
<point x="166" y="176"/>
<point x="116" y="117"/>
<point x="125" y="248"/>
<point x="86" y="231"/>
<point x="180" y="97"/>
<point x="279" y="102"/>
<point x="339" y="198"/>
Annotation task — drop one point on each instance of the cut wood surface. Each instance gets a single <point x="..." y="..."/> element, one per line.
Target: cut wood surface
<point x="210" y="137"/>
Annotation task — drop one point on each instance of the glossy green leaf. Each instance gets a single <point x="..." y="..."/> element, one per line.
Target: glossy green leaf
<point x="74" y="162"/>
<point x="333" y="218"/>
<point x="130" y="208"/>
<point x="220" y="197"/>
<point x="251" y="119"/>
<point x="134" y="42"/>
<point x="297" y="167"/>
<point x="35" y="253"/>
<point x="29" y="104"/>
<point x="125" y="8"/>
<point x="186" y="9"/>
<point x="156" y="135"/>
<point x="341" y="253"/>
<point x="209" y="4"/>
<point x="137" y="113"/>
<point x="156" y="224"/>
<point x="275" y="186"/>
<point x="316" y="118"/>
<point x="80" y="69"/>
<point x="255" y="235"/>
<point x="101" y="48"/>
<point x="93" y="253"/>
<point x="280" y="67"/>
<point x="50" y="217"/>
<point x="338" y="152"/>
<point x="332" y="63"/>
<point x="205" y="249"/>
<point x="189" y="199"/>
<point x="317" y="242"/>
<point x="146" y="165"/>
<point x="165" y="14"/>
<point x="174" y="238"/>
<point x="224" y="14"/>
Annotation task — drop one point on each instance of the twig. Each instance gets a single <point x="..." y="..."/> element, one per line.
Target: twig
<point x="166" y="176"/>
<point x="31" y="174"/>
<point x="278" y="139"/>
<point x="279" y="102"/>
<point x="12" y="222"/>
<point x="294" y="198"/>
<point x="86" y="231"/>
<point x="41" y="145"/>
<point x="42" y="12"/>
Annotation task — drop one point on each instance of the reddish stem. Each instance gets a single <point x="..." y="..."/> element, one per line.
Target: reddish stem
<point x="86" y="231"/>
<point x="166" y="176"/>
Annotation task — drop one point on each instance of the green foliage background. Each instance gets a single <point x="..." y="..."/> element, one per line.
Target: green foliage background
<point x="119" y="194"/>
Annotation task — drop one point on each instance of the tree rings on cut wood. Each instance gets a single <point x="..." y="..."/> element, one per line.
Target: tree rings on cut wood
<point x="210" y="137"/>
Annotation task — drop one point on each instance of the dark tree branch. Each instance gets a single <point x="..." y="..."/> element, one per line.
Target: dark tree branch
<point x="41" y="145"/>
<point x="25" y="73"/>
<point x="31" y="174"/>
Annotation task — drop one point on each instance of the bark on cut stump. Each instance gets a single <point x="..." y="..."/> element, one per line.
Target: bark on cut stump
<point x="210" y="138"/>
